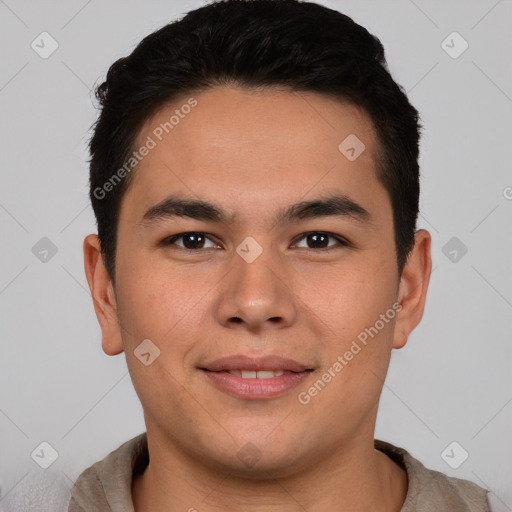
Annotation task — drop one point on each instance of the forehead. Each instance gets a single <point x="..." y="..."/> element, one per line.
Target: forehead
<point x="256" y="147"/>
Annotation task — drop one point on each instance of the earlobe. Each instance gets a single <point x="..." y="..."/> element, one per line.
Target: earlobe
<point x="413" y="288"/>
<point x="103" y="296"/>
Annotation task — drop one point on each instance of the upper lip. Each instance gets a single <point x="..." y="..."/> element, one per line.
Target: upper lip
<point x="242" y="362"/>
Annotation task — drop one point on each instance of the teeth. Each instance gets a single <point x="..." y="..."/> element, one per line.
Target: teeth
<point x="265" y="374"/>
<point x="251" y="374"/>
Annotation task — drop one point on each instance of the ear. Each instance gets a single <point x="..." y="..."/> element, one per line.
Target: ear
<point x="103" y="296"/>
<point x="412" y="291"/>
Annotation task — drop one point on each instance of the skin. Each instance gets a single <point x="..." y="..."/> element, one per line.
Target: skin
<point x="252" y="153"/>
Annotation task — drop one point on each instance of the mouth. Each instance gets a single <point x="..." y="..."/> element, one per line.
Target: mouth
<point x="253" y="374"/>
<point x="255" y="378"/>
<point x="243" y="363"/>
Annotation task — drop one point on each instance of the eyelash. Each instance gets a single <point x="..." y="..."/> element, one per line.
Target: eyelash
<point x="341" y="241"/>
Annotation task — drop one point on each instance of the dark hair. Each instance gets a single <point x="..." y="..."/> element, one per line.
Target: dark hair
<point x="255" y="44"/>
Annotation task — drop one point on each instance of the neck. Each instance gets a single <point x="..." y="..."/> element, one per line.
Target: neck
<point x="355" y="477"/>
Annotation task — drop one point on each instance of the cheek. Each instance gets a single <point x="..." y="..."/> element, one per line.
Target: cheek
<point x="358" y="342"/>
<point x="351" y="297"/>
<point x="138" y="304"/>
<point x="160" y="305"/>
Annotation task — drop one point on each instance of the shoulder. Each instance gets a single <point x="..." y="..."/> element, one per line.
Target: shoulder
<point x="109" y="480"/>
<point x="429" y="489"/>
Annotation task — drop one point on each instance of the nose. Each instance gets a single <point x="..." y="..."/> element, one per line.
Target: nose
<point x="258" y="295"/>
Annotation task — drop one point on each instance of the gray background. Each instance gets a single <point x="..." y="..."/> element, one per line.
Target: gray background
<point x="452" y="381"/>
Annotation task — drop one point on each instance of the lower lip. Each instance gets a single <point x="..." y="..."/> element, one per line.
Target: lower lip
<point x="255" y="389"/>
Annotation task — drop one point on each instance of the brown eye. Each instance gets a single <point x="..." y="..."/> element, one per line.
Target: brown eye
<point x="320" y="240"/>
<point x="190" y="241"/>
<point x="194" y="241"/>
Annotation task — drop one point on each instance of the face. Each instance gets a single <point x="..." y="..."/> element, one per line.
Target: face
<point x="315" y="285"/>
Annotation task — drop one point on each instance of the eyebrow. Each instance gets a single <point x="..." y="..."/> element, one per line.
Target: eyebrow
<point x="334" y="205"/>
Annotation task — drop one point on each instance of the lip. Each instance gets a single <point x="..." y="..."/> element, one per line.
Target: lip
<point x="242" y="362"/>
<point x="255" y="389"/>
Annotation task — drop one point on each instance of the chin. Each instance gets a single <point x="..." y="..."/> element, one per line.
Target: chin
<point x="252" y="462"/>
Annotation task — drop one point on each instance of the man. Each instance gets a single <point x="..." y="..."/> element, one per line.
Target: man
<point x="254" y="174"/>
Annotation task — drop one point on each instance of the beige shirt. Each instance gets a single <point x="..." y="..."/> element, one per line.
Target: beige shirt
<point x="106" y="485"/>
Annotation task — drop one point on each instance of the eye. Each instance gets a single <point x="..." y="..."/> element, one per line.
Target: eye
<point x="320" y="240"/>
<point x="191" y="240"/>
<point x="194" y="240"/>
